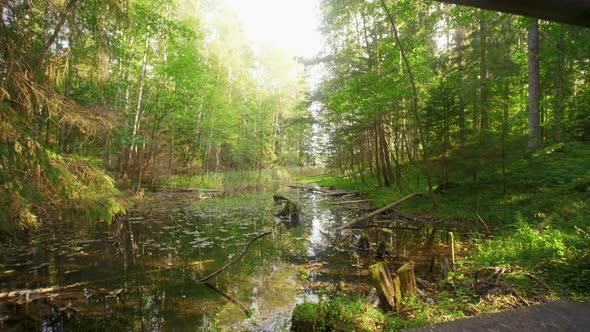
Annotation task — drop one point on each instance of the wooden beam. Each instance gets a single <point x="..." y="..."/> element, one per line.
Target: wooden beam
<point x="575" y="12"/>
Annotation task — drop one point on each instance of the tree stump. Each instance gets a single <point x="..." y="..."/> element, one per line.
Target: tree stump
<point x="290" y="212"/>
<point x="388" y="287"/>
<point x="306" y="318"/>
<point x="407" y="279"/>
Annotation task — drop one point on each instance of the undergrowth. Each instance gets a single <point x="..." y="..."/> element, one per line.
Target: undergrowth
<point x="539" y="248"/>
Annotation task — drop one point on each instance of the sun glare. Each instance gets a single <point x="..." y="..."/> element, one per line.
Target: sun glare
<point x="292" y="25"/>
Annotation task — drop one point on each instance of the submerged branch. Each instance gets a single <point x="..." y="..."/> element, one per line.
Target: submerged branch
<point x="233" y="261"/>
<point x="227" y="297"/>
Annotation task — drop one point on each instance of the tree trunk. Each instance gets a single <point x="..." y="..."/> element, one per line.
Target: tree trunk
<point x="138" y="111"/>
<point x="558" y="112"/>
<point x="459" y="36"/>
<point x="377" y="149"/>
<point x="483" y="74"/>
<point x="384" y="153"/>
<point x="535" y="139"/>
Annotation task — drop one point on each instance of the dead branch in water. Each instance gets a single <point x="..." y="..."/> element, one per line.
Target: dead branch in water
<point x="227" y="297"/>
<point x="233" y="261"/>
<point x="308" y="188"/>
<point x="349" y="202"/>
<point x="387" y="227"/>
<point x="28" y="292"/>
<point x="378" y="211"/>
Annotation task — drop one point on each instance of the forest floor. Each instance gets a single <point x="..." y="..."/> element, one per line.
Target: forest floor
<point x="536" y="248"/>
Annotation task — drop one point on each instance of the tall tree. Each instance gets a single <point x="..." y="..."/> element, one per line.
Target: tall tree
<point x="535" y="138"/>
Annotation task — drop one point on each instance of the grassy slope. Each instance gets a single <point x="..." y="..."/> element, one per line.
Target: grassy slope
<point x="541" y="243"/>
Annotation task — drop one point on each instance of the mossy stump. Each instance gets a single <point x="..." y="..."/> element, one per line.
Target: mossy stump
<point x="290" y="212"/>
<point x="407" y="279"/>
<point x="388" y="287"/>
<point x="306" y="318"/>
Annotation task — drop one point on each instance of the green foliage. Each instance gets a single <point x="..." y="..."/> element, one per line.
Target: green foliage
<point x="469" y="67"/>
<point x="144" y="90"/>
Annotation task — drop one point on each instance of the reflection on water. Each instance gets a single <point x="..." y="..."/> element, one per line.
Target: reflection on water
<point x="139" y="274"/>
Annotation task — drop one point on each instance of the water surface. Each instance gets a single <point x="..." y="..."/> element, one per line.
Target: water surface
<point x="140" y="273"/>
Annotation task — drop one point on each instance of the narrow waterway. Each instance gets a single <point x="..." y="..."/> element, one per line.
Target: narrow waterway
<point x="140" y="273"/>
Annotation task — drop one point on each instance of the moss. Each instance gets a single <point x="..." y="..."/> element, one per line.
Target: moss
<point x="306" y="312"/>
<point x="307" y="317"/>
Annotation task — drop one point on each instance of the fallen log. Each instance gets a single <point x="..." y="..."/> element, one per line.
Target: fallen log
<point x="425" y="284"/>
<point x="393" y="228"/>
<point x="28" y="292"/>
<point x="233" y="261"/>
<point x="308" y="188"/>
<point x="349" y="202"/>
<point x="378" y="211"/>
<point x="341" y="193"/>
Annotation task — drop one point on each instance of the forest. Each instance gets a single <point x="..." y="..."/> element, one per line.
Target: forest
<point x="151" y="136"/>
<point x="140" y="92"/>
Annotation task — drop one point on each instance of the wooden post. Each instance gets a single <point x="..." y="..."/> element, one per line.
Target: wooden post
<point x="452" y="244"/>
<point x="388" y="287"/>
<point x="407" y="279"/>
<point x="444" y="266"/>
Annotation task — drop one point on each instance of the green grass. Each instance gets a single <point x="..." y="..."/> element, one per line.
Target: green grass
<point x="553" y="185"/>
<point x="243" y="180"/>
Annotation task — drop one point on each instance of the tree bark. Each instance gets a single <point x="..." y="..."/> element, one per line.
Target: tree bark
<point x="558" y="112"/>
<point x="459" y="37"/>
<point x="535" y="139"/>
<point x="407" y="279"/>
<point x="133" y="154"/>
<point x="483" y="74"/>
<point x="388" y="287"/>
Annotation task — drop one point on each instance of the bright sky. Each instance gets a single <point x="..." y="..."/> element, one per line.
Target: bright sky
<point x="291" y="24"/>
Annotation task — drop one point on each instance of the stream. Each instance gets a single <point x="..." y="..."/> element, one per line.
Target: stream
<point x="141" y="272"/>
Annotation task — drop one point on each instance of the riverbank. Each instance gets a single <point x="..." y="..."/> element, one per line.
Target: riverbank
<point x="529" y="240"/>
